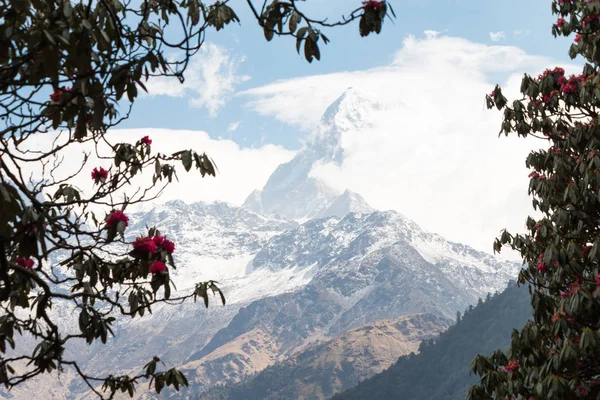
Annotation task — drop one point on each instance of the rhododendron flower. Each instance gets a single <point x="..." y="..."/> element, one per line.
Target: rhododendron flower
<point x="166" y="244"/>
<point x="159" y="240"/>
<point x="597" y="280"/>
<point x="146" y="140"/>
<point x="577" y="38"/>
<point x="576" y="341"/>
<point x="586" y="250"/>
<point x="169" y="246"/>
<point x="541" y="267"/>
<point x="58" y="93"/>
<point x="158" y="266"/>
<point x="99" y="175"/>
<point x="372" y="4"/>
<point x="568" y="88"/>
<point x="24" y="262"/>
<point x="560" y="22"/>
<point x="511" y="366"/>
<point x="144" y="245"/>
<point x="116" y="217"/>
<point x="558" y="316"/>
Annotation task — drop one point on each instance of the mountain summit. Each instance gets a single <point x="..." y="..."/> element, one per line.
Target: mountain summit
<point x="292" y="193"/>
<point x="351" y="111"/>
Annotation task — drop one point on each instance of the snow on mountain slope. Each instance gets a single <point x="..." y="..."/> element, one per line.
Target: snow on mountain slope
<point x="333" y="241"/>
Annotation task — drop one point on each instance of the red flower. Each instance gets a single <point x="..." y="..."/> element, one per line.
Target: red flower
<point x="512" y="366"/>
<point x="99" y="175"/>
<point x="146" y="140"/>
<point x="144" y="245"/>
<point x="541" y="267"/>
<point x="597" y="280"/>
<point x="576" y="341"/>
<point x="568" y="88"/>
<point x="586" y="250"/>
<point x="116" y="217"/>
<point x="158" y="266"/>
<point x="58" y="93"/>
<point x="164" y="243"/>
<point x="24" y="262"/>
<point x="372" y="4"/>
<point x="169" y="246"/>
<point x="558" y="316"/>
<point x="560" y="22"/>
<point x="577" y="38"/>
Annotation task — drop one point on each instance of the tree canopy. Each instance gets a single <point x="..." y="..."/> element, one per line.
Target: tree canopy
<point x="556" y="355"/>
<point x="74" y="70"/>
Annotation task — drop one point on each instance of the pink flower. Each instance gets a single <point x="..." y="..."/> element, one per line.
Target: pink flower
<point x="99" y="175"/>
<point x="116" y="217"/>
<point x="512" y="366"/>
<point x="577" y="38"/>
<point x="556" y="317"/>
<point x="157" y="267"/>
<point x="597" y="280"/>
<point x="164" y="243"/>
<point x="541" y="267"/>
<point x="169" y="246"/>
<point x="560" y="22"/>
<point x="569" y="88"/>
<point x="146" y="140"/>
<point x="144" y="245"/>
<point x="24" y="262"/>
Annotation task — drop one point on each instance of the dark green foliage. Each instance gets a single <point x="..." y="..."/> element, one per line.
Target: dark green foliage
<point x="556" y="355"/>
<point x="441" y="370"/>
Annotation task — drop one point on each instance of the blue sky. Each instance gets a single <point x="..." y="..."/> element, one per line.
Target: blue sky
<point x="525" y="24"/>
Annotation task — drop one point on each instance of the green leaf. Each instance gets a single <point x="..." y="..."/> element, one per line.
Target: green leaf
<point x="186" y="159"/>
<point x="294" y="21"/>
<point x="269" y="33"/>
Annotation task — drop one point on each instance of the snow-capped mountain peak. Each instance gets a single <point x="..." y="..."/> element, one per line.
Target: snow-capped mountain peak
<point x="291" y="192"/>
<point x="350" y="111"/>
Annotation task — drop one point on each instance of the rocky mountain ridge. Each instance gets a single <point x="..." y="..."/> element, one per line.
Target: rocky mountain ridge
<point x="300" y="264"/>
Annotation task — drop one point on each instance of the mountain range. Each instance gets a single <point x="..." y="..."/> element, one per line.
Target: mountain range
<point x="315" y="280"/>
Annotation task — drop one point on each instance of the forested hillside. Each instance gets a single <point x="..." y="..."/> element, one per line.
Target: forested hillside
<point x="441" y="369"/>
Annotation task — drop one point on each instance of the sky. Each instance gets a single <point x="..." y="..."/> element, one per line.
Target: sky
<point x="238" y="58"/>
<point x="435" y="156"/>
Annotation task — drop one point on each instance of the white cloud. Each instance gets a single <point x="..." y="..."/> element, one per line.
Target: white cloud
<point x="240" y="170"/>
<point x="434" y="155"/>
<point x="497" y="36"/>
<point x="210" y="79"/>
<point x="430" y="34"/>
<point x="232" y="127"/>
<point x="521" y="32"/>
